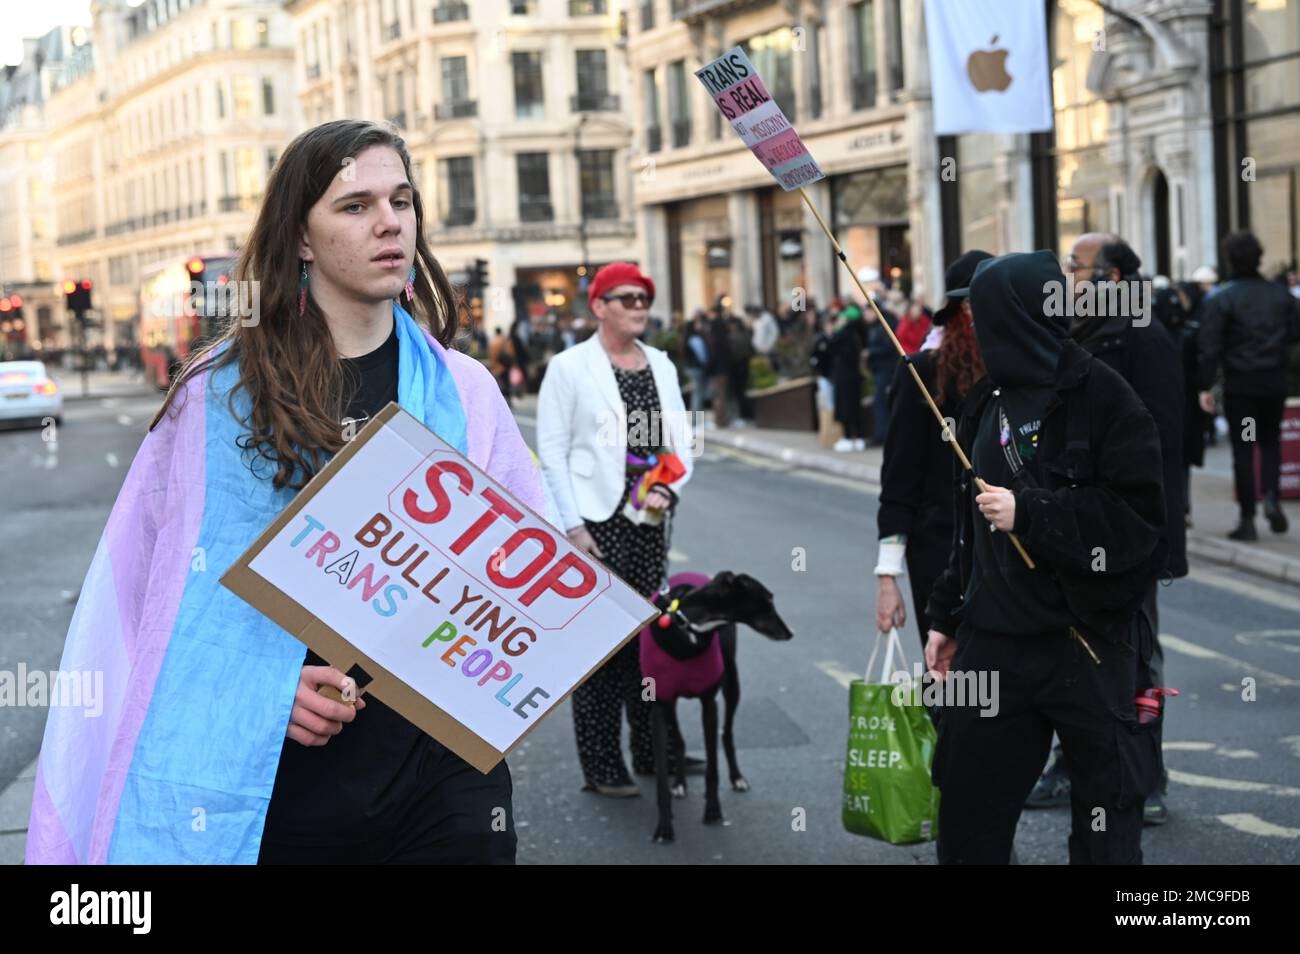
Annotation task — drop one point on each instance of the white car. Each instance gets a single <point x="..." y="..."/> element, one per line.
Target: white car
<point x="27" y="393"/>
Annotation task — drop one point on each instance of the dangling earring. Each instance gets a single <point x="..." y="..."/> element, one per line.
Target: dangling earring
<point x="410" y="284"/>
<point x="302" y="291"/>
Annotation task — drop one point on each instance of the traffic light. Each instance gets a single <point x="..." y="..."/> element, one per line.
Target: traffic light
<point x="478" y="278"/>
<point x="16" y="306"/>
<point x="77" y="295"/>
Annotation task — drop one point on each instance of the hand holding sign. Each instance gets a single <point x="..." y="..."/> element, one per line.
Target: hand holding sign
<point x="316" y="719"/>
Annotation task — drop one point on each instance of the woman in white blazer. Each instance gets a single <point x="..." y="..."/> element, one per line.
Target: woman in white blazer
<point x="605" y="405"/>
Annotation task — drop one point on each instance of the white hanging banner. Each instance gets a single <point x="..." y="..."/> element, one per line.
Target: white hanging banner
<point x="988" y="66"/>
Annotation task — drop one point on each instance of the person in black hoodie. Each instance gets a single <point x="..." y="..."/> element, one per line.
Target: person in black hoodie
<point x="1247" y="324"/>
<point x="1072" y="465"/>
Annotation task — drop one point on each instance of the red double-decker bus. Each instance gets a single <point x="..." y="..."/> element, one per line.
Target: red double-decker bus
<point x="174" y="321"/>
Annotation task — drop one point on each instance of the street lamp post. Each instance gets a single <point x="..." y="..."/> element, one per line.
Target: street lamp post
<point x="583" y="269"/>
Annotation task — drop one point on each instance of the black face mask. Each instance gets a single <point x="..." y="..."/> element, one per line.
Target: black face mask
<point x="1021" y="345"/>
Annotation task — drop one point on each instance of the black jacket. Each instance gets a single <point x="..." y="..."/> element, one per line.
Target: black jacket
<point x="916" y="475"/>
<point x="1106" y="496"/>
<point x="1248" y="324"/>
<point x="1147" y="358"/>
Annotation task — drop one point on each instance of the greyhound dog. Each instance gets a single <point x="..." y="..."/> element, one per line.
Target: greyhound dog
<point x="690" y="652"/>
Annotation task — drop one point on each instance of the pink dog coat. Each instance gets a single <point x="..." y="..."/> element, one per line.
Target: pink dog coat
<point x="678" y="678"/>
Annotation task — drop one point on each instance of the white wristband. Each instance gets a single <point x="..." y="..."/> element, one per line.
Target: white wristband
<point x="889" y="560"/>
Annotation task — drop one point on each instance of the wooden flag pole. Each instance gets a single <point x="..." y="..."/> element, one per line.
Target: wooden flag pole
<point x="948" y="435"/>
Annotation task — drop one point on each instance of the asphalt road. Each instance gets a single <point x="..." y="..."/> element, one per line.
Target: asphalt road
<point x="1234" y="764"/>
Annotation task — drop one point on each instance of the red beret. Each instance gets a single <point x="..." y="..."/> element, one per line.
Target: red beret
<point x="615" y="274"/>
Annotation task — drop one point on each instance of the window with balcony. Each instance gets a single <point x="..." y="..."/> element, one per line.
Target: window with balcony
<point x="679" y="104"/>
<point x="455" y="79"/>
<point x="244" y="97"/>
<point x="773" y="56"/>
<point x="653" y="132"/>
<point x="593" y="83"/>
<point x="647" y="15"/>
<point x="263" y="33"/>
<point x="530" y="101"/>
<point x="460" y="207"/>
<point x="815" y="77"/>
<point x="450" y="12"/>
<point x="596" y="183"/>
<point x="896" y="47"/>
<point x="248" y="177"/>
<point x="268" y="98"/>
<point x="534" y="187"/>
<point x="398" y="114"/>
<point x="866" y="60"/>
<point x="456" y="102"/>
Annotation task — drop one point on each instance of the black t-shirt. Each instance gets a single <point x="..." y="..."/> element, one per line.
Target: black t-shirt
<point x="338" y="792"/>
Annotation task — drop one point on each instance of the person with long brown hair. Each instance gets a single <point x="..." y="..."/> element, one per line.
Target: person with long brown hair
<point x="914" y="522"/>
<point x="215" y="744"/>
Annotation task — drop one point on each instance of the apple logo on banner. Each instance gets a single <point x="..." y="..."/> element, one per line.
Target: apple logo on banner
<point x="988" y="69"/>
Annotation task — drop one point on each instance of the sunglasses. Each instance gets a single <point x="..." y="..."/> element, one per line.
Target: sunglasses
<point x="630" y="299"/>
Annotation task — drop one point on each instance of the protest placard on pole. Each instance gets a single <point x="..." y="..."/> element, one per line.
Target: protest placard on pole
<point x="407" y="567"/>
<point x="739" y="93"/>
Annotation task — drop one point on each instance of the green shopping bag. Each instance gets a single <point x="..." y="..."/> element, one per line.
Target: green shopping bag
<point x="887" y="789"/>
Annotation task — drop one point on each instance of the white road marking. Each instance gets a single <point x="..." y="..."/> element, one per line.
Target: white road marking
<point x="1289" y="641"/>
<point x="1232" y="784"/>
<point x="1293" y="743"/>
<point x="764" y="463"/>
<point x="677" y="556"/>
<point x="838" y="673"/>
<point x="1178" y="644"/>
<point x="124" y="420"/>
<point x="1210" y="747"/>
<point x="860" y="486"/>
<point x="1242" y="588"/>
<point x="1254" y="825"/>
<point x="111" y="458"/>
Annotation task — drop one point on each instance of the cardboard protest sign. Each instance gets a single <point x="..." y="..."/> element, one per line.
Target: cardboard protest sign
<point x="460" y="607"/>
<point x="739" y="93"/>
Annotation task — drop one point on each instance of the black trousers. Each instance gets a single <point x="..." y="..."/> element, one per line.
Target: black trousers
<point x="1266" y="412"/>
<point x="986" y="766"/>
<point x="458" y="815"/>
<point x="598" y="706"/>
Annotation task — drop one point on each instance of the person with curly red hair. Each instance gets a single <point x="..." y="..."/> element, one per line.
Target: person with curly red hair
<point x="914" y="522"/>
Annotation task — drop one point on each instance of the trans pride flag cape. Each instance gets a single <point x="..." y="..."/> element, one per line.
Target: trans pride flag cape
<point x="198" y="685"/>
